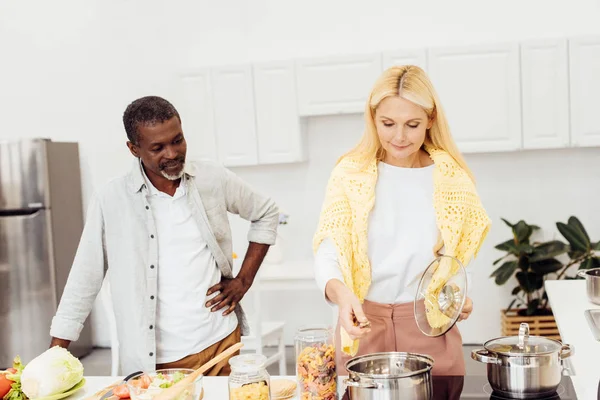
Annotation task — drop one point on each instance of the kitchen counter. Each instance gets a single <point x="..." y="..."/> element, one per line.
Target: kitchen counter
<point x="471" y="387"/>
<point x="568" y="300"/>
<point x="215" y="388"/>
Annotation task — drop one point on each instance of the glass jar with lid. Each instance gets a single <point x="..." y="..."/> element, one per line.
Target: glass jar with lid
<point x="315" y="363"/>
<point x="249" y="378"/>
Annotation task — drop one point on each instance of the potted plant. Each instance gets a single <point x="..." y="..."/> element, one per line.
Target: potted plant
<point x="532" y="263"/>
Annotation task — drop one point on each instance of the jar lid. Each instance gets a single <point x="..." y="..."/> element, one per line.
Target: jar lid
<point x="313" y="333"/>
<point x="248" y="362"/>
<point x="523" y="344"/>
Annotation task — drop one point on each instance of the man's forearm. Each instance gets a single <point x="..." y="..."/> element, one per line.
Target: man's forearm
<point x="60" y="342"/>
<point x="254" y="258"/>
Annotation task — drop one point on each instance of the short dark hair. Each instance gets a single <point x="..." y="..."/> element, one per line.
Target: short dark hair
<point x="147" y="110"/>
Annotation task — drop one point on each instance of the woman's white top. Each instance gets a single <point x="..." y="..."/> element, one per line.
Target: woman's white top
<point x="402" y="234"/>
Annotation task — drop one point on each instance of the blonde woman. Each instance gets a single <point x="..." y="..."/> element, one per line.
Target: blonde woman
<point x="402" y="196"/>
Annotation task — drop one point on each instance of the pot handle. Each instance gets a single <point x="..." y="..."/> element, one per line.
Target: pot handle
<point x="566" y="351"/>
<point x="485" y="356"/>
<point x="362" y="385"/>
<point x="582" y="273"/>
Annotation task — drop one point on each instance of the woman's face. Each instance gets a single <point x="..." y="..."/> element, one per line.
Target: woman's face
<point x="401" y="127"/>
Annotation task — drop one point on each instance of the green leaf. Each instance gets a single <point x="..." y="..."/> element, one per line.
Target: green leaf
<point x="597" y="246"/>
<point x="546" y="266"/>
<point x="508" y="246"/>
<point x="524" y="263"/>
<point x="530" y="281"/>
<point x="533" y="306"/>
<point x="575" y="254"/>
<point x="522" y="231"/>
<point x="574" y="237"/>
<point x="588" y="263"/>
<point x="512" y="303"/>
<point x="525" y="248"/>
<point x="548" y="250"/>
<point x="576" y="224"/>
<point x="498" y="260"/>
<point x="504" y="273"/>
<point x="507" y="223"/>
<point x="516" y="290"/>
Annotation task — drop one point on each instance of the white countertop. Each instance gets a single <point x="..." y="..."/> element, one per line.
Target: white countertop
<point x="215" y="388"/>
<point x="568" y="300"/>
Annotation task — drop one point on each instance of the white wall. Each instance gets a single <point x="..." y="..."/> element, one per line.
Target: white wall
<point x="70" y="67"/>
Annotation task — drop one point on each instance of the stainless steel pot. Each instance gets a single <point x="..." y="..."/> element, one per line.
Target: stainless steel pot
<point x="387" y="376"/>
<point x="592" y="279"/>
<point x="523" y="366"/>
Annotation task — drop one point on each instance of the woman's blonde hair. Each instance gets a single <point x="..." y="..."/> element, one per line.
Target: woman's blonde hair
<point x="411" y="83"/>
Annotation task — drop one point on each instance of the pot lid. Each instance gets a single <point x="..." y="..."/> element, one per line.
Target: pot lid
<point x="523" y="344"/>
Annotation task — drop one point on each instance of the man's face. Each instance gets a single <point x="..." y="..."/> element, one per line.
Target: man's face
<point x="162" y="148"/>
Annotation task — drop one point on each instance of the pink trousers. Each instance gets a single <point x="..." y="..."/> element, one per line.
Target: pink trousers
<point x="393" y="328"/>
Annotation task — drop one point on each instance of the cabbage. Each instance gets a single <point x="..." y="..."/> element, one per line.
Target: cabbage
<point x="52" y="372"/>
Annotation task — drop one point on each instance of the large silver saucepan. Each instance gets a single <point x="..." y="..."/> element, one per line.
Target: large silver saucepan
<point x="390" y="376"/>
<point x="523" y="366"/>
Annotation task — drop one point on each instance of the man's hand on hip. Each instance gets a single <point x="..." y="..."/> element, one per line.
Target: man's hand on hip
<point x="233" y="289"/>
<point x="231" y="293"/>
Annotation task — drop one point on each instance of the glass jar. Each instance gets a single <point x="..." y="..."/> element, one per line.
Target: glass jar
<point x="315" y="363"/>
<point x="249" y="378"/>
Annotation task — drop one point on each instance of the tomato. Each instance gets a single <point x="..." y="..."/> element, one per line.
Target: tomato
<point x="5" y="384"/>
<point x="121" y="391"/>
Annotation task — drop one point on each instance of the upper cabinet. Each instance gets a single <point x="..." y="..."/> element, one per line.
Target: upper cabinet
<point x="537" y="94"/>
<point x="277" y="119"/>
<point x="584" y="55"/>
<point x="197" y="118"/>
<point x="336" y="85"/>
<point x="479" y="88"/>
<point x="416" y="57"/>
<point x="235" y="120"/>
<point x="545" y="93"/>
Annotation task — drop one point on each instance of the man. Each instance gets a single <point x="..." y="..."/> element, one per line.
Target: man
<point x="163" y="235"/>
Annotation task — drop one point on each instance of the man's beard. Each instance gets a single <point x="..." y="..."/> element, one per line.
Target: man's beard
<point x="173" y="177"/>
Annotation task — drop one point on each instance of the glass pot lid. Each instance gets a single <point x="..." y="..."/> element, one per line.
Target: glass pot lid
<point x="523" y="344"/>
<point x="440" y="296"/>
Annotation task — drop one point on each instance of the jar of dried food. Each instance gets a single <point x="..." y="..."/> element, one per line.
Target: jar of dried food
<point x="249" y="379"/>
<point x="315" y="363"/>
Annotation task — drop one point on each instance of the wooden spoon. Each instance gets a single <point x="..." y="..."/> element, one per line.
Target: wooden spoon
<point x="176" y="389"/>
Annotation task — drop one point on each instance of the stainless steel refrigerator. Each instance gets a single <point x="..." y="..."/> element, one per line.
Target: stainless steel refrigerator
<point x="41" y="220"/>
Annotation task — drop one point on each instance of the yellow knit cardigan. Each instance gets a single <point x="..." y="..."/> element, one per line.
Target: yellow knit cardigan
<point x="461" y="218"/>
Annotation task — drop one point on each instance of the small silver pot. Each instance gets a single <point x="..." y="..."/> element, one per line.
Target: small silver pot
<point x="592" y="279"/>
<point x="523" y="366"/>
<point x="390" y="376"/>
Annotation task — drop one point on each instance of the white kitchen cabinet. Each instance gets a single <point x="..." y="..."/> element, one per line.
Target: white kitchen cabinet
<point x="336" y="85"/>
<point x="545" y="94"/>
<point x="479" y="88"/>
<point x="584" y="56"/>
<point x="235" y="121"/>
<point x="416" y="57"/>
<point x="196" y="111"/>
<point x="277" y="119"/>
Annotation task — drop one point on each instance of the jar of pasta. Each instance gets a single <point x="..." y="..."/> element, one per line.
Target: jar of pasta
<point x="315" y="363"/>
<point x="249" y="379"/>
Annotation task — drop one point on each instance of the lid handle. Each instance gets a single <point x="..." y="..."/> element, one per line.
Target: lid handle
<point x="523" y="335"/>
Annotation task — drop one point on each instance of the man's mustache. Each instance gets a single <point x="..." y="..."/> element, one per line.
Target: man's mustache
<point x="173" y="163"/>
